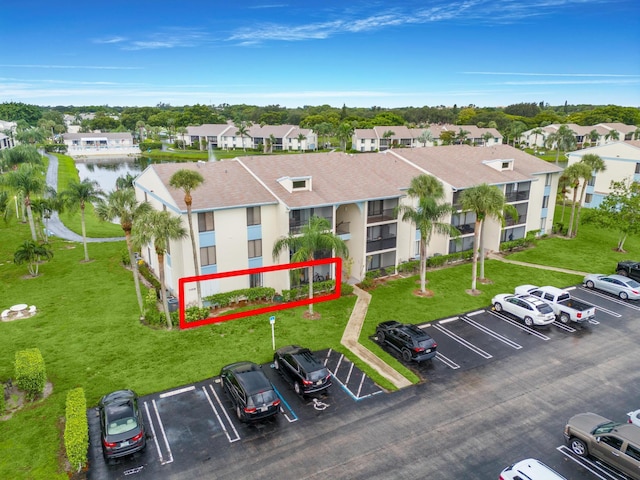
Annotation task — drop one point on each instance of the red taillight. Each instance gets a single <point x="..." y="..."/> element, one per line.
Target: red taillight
<point x="276" y="403"/>
<point x="249" y="409"/>
<point x="307" y="382"/>
<point x="418" y="349"/>
<point x="109" y="444"/>
<point x="629" y="421"/>
<point x="137" y="437"/>
<point x="636" y="292"/>
<point x="579" y="314"/>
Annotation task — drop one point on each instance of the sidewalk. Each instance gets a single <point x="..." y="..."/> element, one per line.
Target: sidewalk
<point x="352" y="333"/>
<point x="500" y="258"/>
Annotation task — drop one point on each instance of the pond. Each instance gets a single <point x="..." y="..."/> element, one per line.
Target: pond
<point x="107" y="171"/>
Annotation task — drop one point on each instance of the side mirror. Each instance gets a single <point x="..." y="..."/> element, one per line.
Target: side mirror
<point x="598" y="439"/>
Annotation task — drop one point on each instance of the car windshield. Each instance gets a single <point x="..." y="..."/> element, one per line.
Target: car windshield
<point x="318" y="374"/>
<point x="632" y="283"/>
<point x="544" y="308"/>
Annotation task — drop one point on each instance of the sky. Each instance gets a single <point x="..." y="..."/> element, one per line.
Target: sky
<point x="392" y="53"/>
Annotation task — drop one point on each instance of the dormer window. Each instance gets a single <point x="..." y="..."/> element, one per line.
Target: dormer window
<point x="295" y="184"/>
<point x="505" y="165"/>
<point x="500" y="164"/>
<point x="299" y="184"/>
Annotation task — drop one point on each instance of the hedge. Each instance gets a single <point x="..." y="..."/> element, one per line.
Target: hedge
<point x="30" y="372"/>
<point x="249" y="294"/>
<point x="76" y="429"/>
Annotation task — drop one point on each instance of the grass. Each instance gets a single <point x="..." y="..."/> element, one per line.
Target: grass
<point x="88" y="331"/>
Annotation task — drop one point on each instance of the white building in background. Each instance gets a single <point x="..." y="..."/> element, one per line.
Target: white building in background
<point x="7" y="134"/>
<point x="622" y="160"/>
<point x="96" y="144"/>
<point x="246" y="204"/>
<point x="585" y="136"/>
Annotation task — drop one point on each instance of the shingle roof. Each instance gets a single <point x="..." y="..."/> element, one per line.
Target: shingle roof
<point x="461" y="166"/>
<point x="209" y="129"/>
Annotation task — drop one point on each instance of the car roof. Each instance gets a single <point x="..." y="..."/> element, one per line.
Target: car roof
<point x="303" y="355"/>
<point x="531" y="299"/>
<point x="249" y="376"/>
<point x="119" y="396"/>
<point x="553" y="290"/>
<point x="536" y="470"/>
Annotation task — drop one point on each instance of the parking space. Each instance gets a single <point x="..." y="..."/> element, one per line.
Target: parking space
<point x="596" y="468"/>
<point x="195" y="422"/>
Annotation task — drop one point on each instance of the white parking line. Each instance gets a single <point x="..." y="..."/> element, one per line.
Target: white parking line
<point x="602" y="309"/>
<point x="610" y="298"/>
<point x="564" y="327"/>
<point x="153" y="432"/>
<point x="463" y="342"/>
<point x="164" y="434"/>
<point x="178" y="391"/>
<point x="601" y="471"/>
<point x="533" y="332"/>
<point x="491" y="333"/>
<point x="447" y="361"/>
<point x="224" y="429"/>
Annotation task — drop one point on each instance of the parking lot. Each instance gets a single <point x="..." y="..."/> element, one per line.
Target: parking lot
<point x="193" y="432"/>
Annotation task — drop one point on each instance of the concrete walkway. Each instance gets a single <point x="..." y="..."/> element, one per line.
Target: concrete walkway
<point x="494" y="256"/>
<point x="54" y="225"/>
<point x="352" y="333"/>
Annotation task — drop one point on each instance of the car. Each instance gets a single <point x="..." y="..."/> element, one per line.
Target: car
<point x="624" y="287"/>
<point x="634" y="417"/>
<point x="530" y="469"/>
<point x="302" y="369"/>
<point x="531" y="310"/>
<point x="629" y="268"/>
<point x="413" y="343"/>
<point x="616" y="444"/>
<point x="121" y="424"/>
<point x="250" y="391"/>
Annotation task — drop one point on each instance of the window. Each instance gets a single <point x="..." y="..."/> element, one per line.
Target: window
<point x="613" y="442"/>
<point x="299" y="184"/>
<point x="638" y="167"/>
<point x="592" y="181"/>
<point x="255" y="280"/>
<point x="633" y="452"/>
<point x="253" y="216"/>
<point x="545" y="202"/>
<point x="255" y="248"/>
<point x="208" y="256"/>
<point x="375" y="207"/>
<point x="205" y="222"/>
<point x="505" y="165"/>
<point x="588" y="198"/>
<point x="547" y="179"/>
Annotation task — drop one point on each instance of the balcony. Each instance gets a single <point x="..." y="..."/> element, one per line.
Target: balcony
<point x="384" y="216"/>
<point x="295" y="226"/>
<point x="385" y="243"/>
<point x="343" y="228"/>
<point x="511" y="197"/>
<point x="466" y="228"/>
<point x="509" y="221"/>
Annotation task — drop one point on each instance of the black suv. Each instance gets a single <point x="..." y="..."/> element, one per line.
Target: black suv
<point x="121" y="424"/>
<point x="250" y="391"/>
<point x="629" y="268"/>
<point x="298" y="366"/>
<point x="412" y="342"/>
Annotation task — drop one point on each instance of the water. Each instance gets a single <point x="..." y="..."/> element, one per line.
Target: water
<point x="107" y="171"/>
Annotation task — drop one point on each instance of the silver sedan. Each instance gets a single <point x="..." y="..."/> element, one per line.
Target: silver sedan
<point x="623" y="287"/>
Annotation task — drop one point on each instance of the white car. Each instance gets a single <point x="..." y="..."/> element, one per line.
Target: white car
<point x="531" y="310"/>
<point x="634" y="417"/>
<point x="624" y="287"/>
<point x="531" y="469"/>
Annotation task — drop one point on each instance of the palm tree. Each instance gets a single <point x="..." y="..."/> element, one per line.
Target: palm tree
<point x="425" y="137"/>
<point x="535" y="132"/>
<point x="636" y="134"/>
<point x="593" y="137"/>
<point x="461" y="136"/>
<point x="427" y="216"/>
<point x="484" y="201"/>
<point x="301" y="138"/>
<point x="140" y="126"/>
<point x="387" y="136"/>
<point x="344" y="133"/>
<point x="597" y="165"/>
<point x="272" y="142"/>
<point x="12" y="157"/>
<point x="159" y="228"/>
<point x="563" y="183"/>
<point x="613" y="135"/>
<point x="243" y="131"/>
<point x="486" y="136"/>
<point x="125" y="181"/>
<point x="574" y="173"/>
<point x="314" y="237"/>
<point x="563" y="139"/>
<point x="32" y="253"/>
<point x="27" y="180"/>
<point x="77" y="195"/>
<point x="188" y="180"/>
<point x="123" y="205"/>
<point x="43" y="208"/>
<point x="323" y="129"/>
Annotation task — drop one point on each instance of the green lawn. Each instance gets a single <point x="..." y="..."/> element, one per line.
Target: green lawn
<point x="89" y="334"/>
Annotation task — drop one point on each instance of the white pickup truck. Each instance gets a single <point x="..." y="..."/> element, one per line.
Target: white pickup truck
<point x="566" y="308"/>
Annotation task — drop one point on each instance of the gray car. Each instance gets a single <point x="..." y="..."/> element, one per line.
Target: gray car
<point x="623" y="287"/>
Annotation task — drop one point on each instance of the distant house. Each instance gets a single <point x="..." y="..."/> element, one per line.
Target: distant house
<point x="7" y="132"/>
<point x="585" y="136"/>
<point x="93" y="144"/>
<point x="622" y="160"/>
<point x="246" y="204"/>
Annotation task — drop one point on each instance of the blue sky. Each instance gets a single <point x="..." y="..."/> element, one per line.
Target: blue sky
<point x="293" y="53"/>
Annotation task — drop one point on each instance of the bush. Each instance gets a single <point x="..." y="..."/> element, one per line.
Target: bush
<point x="150" y="145"/>
<point x="30" y="372"/>
<point x="143" y="268"/>
<point x="151" y="313"/>
<point x="346" y="289"/>
<point x="76" y="429"/>
<point x="55" y="148"/>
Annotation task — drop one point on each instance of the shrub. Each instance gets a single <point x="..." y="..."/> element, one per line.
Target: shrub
<point x="151" y="313"/>
<point x="150" y="145"/>
<point x="76" y="429"/>
<point x="30" y="372"/>
<point x="346" y="289"/>
<point x="143" y="268"/>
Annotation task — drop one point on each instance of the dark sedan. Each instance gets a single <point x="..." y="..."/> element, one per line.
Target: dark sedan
<point x="121" y="424"/>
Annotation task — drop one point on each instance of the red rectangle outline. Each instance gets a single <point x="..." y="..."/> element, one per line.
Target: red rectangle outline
<point x="271" y="268"/>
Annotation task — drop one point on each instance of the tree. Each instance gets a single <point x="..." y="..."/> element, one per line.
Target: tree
<point x="344" y="133"/>
<point x="563" y="139"/>
<point x="425" y="137"/>
<point x="486" y="136"/>
<point x="535" y="132"/>
<point x="447" y="137"/>
<point x="428" y="216"/>
<point x="27" y="180"/>
<point x="32" y="254"/>
<point x="619" y="210"/>
<point x="387" y="136"/>
<point x="125" y="181"/>
<point x="564" y="182"/>
<point x="594" y="136"/>
<point x="597" y="165"/>
<point x="461" y="136"/>
<point x="272" y="142"/>
<point x="243" y="131"/>
<point x="187" y="181"/>
<point x="574" y="173"/>
<point x="613" y="135"/>
<point x="31" y="135"/>
<point x="158" y="228"/>
<point x="122" y="204"/>
<point x="12" y="157"/>
<point x="301" y="138"/>
<point x="77" y="195"/>
<point x="323" y="129"/>
<point x="516" y="129"/>
<point x="484" y="201"/>
<point x="314" y="237"/>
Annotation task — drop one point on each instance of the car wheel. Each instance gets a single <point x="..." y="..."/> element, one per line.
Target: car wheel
<point x="381" y="337"/>
<point x="239" y="413"/>
<point x="497" y="306"/>
<point x="590" y="284"/>
<point x="528" y="321"/>
<point x="578" y="447"/>
<point x="623" y="295"/>
<point x="623" y="273"/>
<point x="406" y="355"/>
<point x="276" y="364"/>
<point x="564" y="318"/>
<point x="296" y="387"/>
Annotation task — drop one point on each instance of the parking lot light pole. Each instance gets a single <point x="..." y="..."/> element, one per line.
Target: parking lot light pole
<point x="272" y="321"/>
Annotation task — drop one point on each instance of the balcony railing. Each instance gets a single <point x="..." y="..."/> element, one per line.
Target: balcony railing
<point x="343" y="228"/>
<point x="386" y="215"/>
<point x="466" y="228"/>
<point x="509" y="221"/>
<point x="517" y="196"/>
<point x="296" y="226"/>
<point x="381" y="244"/>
